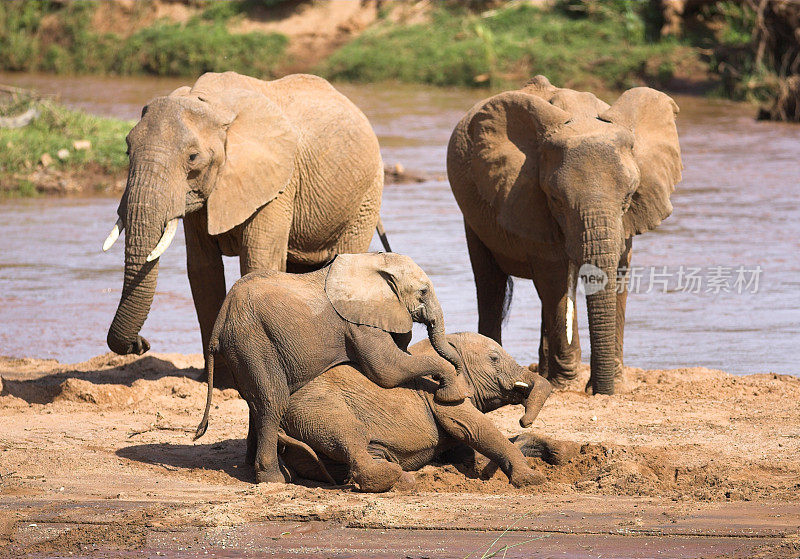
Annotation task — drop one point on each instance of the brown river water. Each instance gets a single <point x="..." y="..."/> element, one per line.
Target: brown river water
<point x="728" y="297"/>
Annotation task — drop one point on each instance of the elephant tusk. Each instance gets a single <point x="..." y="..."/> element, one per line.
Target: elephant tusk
<point x="572" y="281"/>
<point x="166" y="239"/>
<point x="114" y="235"/>
<point x="570" y="318"/>
<point x="520" y="384"/>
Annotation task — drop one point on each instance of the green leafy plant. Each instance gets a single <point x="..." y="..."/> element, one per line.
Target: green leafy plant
<point x="55" y="128"/>
<point x="605" y="47"/>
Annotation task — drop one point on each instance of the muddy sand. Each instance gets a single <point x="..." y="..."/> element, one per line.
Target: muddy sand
<point x="97" y="459"/>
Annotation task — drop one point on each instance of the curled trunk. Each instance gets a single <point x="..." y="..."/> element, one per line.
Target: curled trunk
<point x="143" y="212"/>
<point x="538" y="395"/>
<point x="440" y="344"/>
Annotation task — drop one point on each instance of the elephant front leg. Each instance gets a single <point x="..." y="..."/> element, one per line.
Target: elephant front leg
<point x="388" y="366"/>
<point x="265" y="237"/>
<point x="622" y="300"/>
<point x="207" y="280"/>
<point x="491" y="285"/>
<point x="560" y="348"/>
<point x="467" y="424"/>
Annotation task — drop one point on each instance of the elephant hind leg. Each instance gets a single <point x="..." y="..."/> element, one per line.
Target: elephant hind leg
<point x="252" y="438"/>
<point x="268" y="410"/>
<point x="492" y="285"/>
<point x="342" y="437"/>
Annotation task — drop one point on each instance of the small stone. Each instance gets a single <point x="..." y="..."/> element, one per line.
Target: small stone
<point x="399" y="169"/>
<point x="63" y="153"/>
<point x="78" y="145"/>
<point x="46" y="160"/>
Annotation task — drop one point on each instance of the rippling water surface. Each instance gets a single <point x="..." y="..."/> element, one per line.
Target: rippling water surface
<point x="737" y="208"/>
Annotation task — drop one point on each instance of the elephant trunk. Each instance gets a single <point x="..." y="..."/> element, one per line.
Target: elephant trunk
<point x="440" y="344"/>
<point x="601" y="248"/>
<point x="145" y="211"/>
<point x="533" y="403"/>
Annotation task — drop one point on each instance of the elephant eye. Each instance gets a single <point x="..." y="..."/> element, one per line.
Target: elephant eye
<point x="494" y="358"/>
<point x="423" y="290"/>
<point x="626" y="203"/>
<point x="192" y="157"/>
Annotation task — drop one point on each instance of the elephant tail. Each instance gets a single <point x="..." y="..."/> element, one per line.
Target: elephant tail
<point x="201" y="429"/>
<point x="295" y="450"/>
<point x="382" y="234"/>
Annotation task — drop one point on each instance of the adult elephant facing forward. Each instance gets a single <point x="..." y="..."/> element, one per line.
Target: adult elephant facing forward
<point x="551" y="180"/>
<point x="285" y="174"/>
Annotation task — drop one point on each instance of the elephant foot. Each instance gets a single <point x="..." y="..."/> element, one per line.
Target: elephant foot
<point x="561" y="380"/>
<point x="619" y="380"/>
<point x="406" y="482"/>
<point x="377" y="476"/>
<point x="278" y="474"/>
<point x="269" y="476"/>
<point x="526" y="477"/>
<point x="454" y="392"/>
<point x="552" y="451"/>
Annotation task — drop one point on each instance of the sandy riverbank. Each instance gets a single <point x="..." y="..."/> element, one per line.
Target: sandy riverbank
<point x="98" y="456"/>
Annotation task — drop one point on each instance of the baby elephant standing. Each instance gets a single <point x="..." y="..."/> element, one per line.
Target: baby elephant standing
<point x="376" y="433"/>
<point x="278" y="331"/>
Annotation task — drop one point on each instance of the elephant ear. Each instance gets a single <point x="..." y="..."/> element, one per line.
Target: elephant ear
<point x="650" y="115"/>
<point x="362" y="289"/>
<point x="507" y="133"/>
<point x="260" y="150"/>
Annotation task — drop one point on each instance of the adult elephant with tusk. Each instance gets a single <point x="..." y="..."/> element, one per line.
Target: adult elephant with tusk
<point x="283" y="174"/>
<point x="553" y="184"/>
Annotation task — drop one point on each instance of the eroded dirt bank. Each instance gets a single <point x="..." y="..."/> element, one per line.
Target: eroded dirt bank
<point x="99" y="456"/>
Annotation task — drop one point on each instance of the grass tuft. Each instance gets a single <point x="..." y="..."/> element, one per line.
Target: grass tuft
<point x="57" y="127"/>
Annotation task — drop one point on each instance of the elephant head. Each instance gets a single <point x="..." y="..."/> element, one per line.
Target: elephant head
<point x="565" y="169"/>
<point x="388" y="291"/>
<point x="222" y="145"/>
<point x="497" y="379"/>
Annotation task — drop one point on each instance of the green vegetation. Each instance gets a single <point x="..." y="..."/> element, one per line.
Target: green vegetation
<point x="730" y="33"/>
<point x="57" y="128"/>
<point x="579" y="44"/>
<point x="45" y="36"/>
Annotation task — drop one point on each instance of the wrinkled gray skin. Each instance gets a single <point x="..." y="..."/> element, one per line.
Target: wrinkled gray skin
<point x="279" y="331"/>
<point x="550" y="179"/>
<point x="283" y="174"/>
<point x="377" y="433"/>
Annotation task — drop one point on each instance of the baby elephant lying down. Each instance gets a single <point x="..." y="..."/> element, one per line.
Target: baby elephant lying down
<point x="378" y="432"/>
